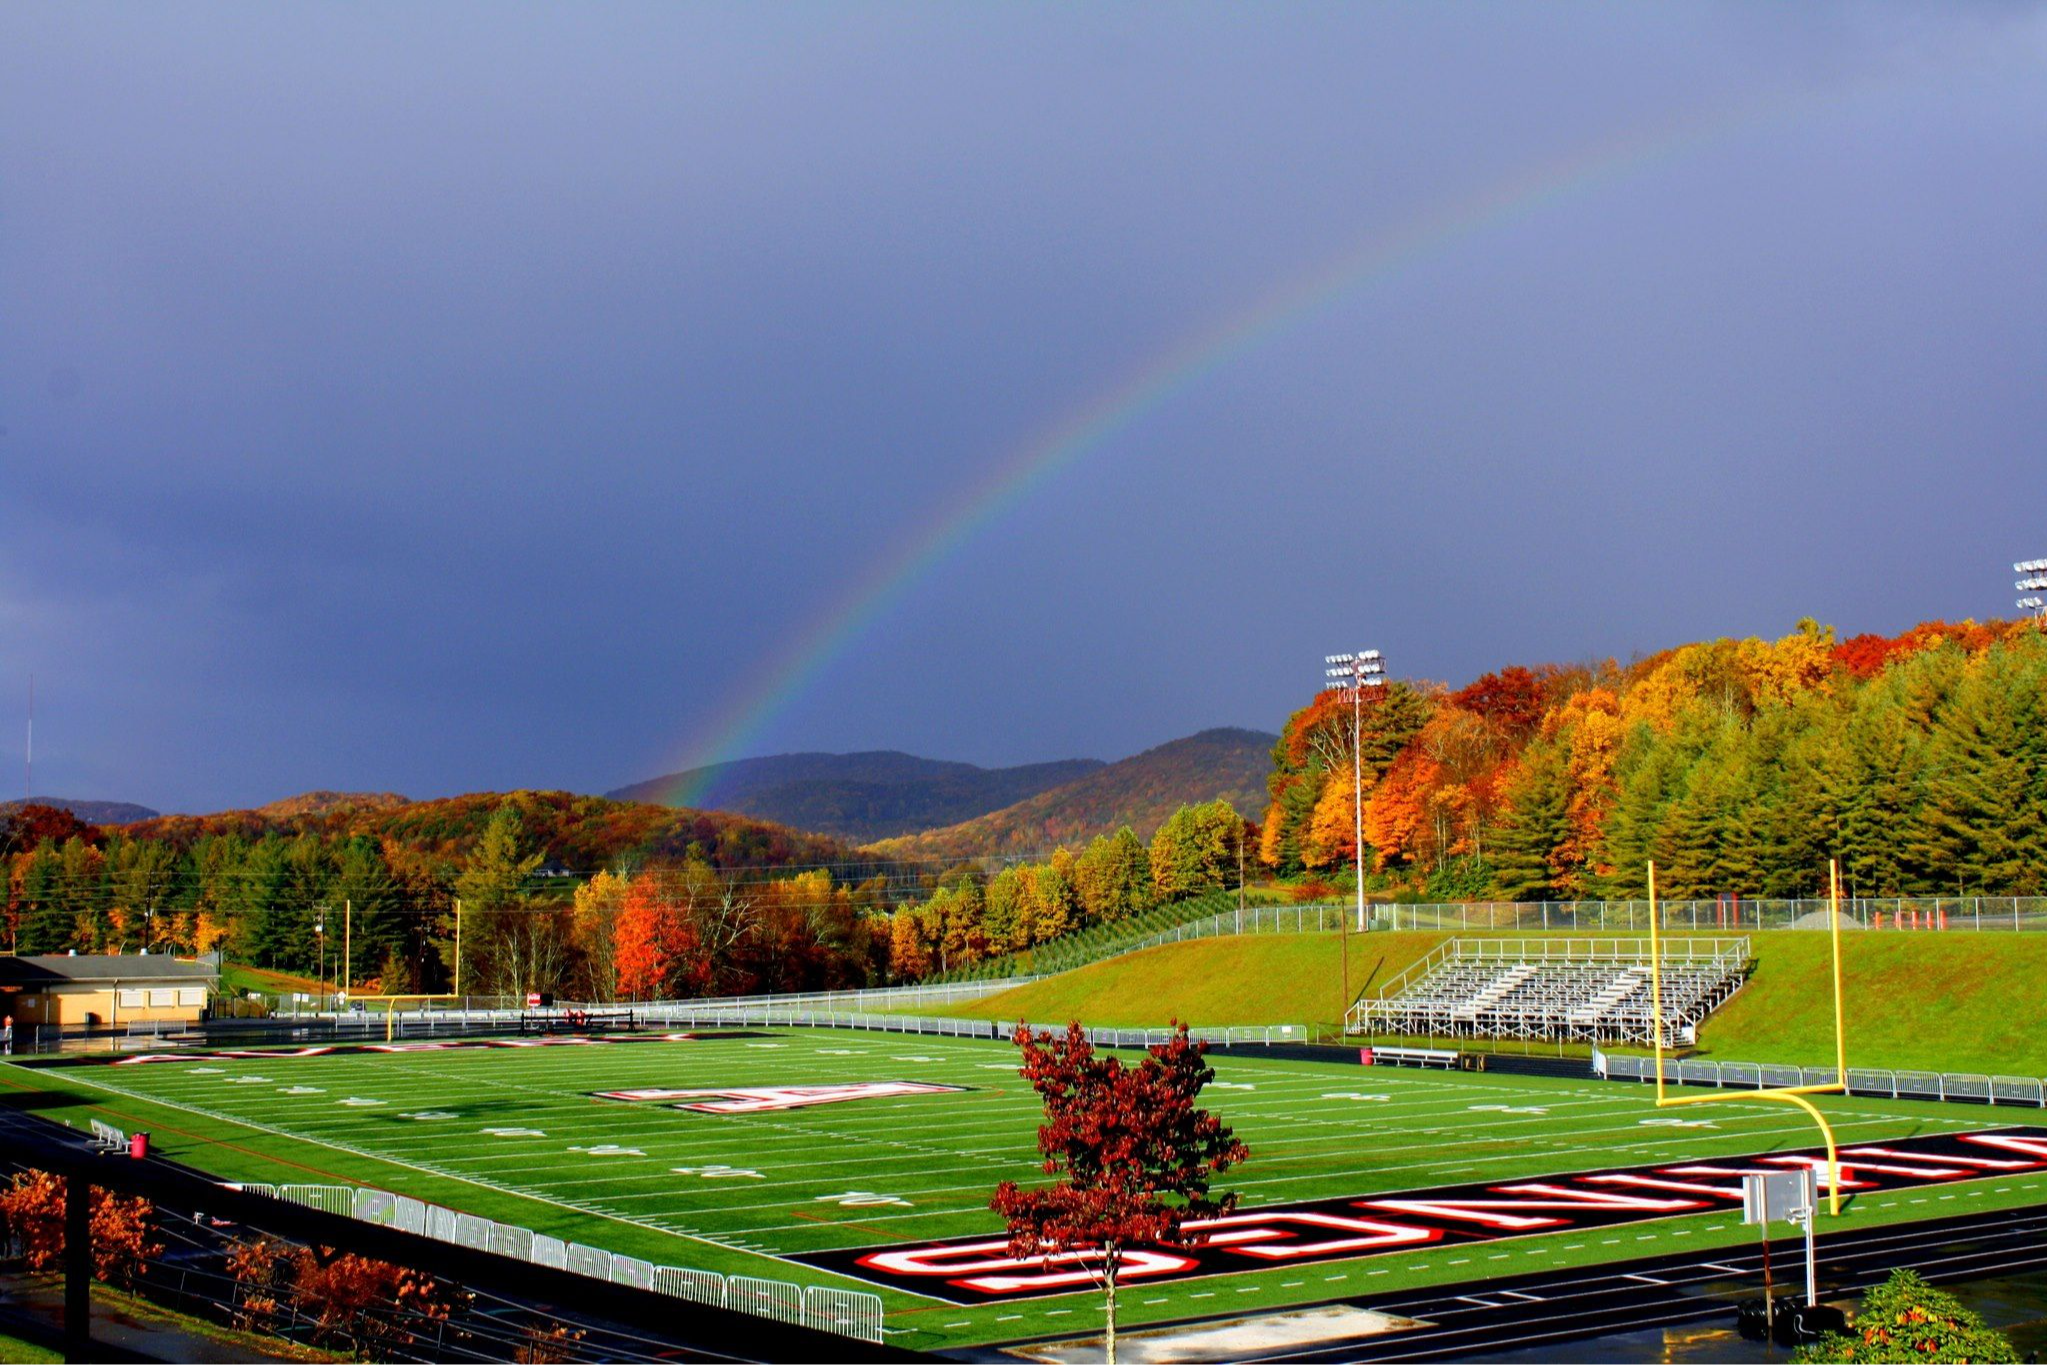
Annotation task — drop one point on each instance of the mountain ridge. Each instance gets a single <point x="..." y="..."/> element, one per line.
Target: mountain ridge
<point x="1142" y="791"/>
<point x="92" y="812"/>
<point x="871" y="794"/>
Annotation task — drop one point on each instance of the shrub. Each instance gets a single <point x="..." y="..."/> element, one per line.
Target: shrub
<point x="1905" y="1318"/>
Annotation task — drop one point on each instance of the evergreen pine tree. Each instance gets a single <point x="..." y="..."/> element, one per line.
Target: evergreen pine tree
<point x="1536" y="821"/>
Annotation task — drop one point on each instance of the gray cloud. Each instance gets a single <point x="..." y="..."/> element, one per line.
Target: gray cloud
<point x="475" y="396"/>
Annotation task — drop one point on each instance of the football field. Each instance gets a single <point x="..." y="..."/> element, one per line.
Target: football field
<point x="797" y="1142"/>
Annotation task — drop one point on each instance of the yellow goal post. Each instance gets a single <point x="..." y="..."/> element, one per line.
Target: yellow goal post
<point x="391" y="1004"/>
<point x="1794" y="1095"/>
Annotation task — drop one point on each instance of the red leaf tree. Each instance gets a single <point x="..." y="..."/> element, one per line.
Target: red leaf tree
<point x="1131" y="1153"/>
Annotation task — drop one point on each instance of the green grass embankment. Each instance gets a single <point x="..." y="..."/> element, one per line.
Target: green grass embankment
<point x="238" y="979"/>
<point x="1254" y="979"/>
<point x="1915" y="1001"/>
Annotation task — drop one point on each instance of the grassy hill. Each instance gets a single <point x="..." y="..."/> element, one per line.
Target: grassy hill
<point x="1256" y="979"/>
<point x="1934" y="1002"/>
<point x="857" y="796"/>
<point x="1922" y="1002"/>
<point x="1139" y="791"/>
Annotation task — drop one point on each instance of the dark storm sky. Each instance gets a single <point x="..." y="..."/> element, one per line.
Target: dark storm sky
<point x="440" y="398"/>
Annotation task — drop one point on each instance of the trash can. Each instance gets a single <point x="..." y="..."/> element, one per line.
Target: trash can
<point x="138" y="1145"/>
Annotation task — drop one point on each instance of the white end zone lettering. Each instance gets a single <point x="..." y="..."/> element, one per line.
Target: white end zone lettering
<point x="2034" y="1147"/>
<point x="1497" y="1213"/>
<point x="989" y="1268"/>
<point x="1650" y="1182"/>
<point x="1275" y="1236"/>
<point x="1950" y="1159"/>
<point x="977" y="1270"/>
<point x="761" y="1099"/>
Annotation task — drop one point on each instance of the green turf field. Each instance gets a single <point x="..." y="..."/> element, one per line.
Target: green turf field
<point x="513" y="1135"/>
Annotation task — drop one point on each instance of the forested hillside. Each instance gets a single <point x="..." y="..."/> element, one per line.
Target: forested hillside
<point x="283" y="891"/>
<point x="1738" y="765"/>
<point x="858" y="796"/>
<point x="1113" y="877"/>
<point x="1140" y="792"/>
<point x="92" y="812"/>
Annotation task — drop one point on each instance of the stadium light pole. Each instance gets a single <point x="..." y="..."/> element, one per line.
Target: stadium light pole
<point x="2032" y="581"/>
<point x="1354" y="673"/>
<point x="320" y="935"/>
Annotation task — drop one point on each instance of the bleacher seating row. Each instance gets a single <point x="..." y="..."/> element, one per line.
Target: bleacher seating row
<point x="1509" y="989"/>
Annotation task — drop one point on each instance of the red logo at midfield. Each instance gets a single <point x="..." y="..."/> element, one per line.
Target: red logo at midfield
<point x="760" y="1099"/>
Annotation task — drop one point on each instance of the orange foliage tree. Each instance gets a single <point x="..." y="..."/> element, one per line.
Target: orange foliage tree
<point x="123" y="1238"/>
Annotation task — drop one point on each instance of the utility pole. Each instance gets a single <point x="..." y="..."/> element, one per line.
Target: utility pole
<point x="1354" y="673"/>
<point x="347" y="945"/>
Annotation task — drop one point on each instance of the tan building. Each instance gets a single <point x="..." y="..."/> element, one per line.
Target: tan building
<point x="106" y="990"/>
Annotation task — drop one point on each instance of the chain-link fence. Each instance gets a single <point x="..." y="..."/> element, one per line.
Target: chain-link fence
<point x="1890" y="913"/>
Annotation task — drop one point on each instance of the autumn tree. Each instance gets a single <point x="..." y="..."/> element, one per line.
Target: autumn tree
<point x="1112" y="877"/>
<point x="24" y="826"/>
<point x="121" y="1226"/>
<point x="1195" y="850"/>
<point x="655" y="950"/>
<point x="1130" y="1152"/>
<point x="909" y="952"/>
<point x="598" y="903"/>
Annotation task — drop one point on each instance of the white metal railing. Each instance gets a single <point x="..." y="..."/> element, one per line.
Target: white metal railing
<point x="489" y="1009"/>
<point x="847" y="1312"/>
<point x="877" y="997"/>
<point x="1235" y="1035"/>
<point x="1975" y="1087"/>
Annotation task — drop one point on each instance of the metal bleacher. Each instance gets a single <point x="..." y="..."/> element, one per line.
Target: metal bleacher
<point x="1555" y="990"/>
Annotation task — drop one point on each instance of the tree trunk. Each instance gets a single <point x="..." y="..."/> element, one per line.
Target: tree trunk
<point x="1109" y="1286"/>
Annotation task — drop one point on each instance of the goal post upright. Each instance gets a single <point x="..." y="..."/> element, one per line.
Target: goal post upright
<point x="391" y="1003"/>
<point x="1794" y="1095"/>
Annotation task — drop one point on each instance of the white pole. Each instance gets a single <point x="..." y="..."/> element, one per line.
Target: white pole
<point x="1812" y="1274"/>
<point x="1357" y="786"/>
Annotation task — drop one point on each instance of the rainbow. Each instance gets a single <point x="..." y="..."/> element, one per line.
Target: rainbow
<point x="791" y="670"/>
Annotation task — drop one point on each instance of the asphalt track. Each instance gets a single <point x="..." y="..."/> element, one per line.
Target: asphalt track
<point x="1500" y="1315"/>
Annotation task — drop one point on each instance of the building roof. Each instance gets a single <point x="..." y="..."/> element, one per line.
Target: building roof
<point x="57" y="969"/>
